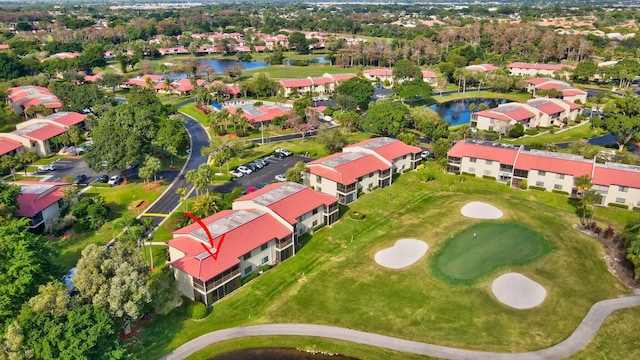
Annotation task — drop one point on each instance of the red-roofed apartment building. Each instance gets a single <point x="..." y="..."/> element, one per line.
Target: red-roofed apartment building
<point x="529" y="69"/>
<point x="617" y="183"/>
<point x="482" y="68"/>
<point x="298" y="207"/>
<point x="40" y="202"/>
<point x="363" y="166"/>
<point x="35" y="134"/>
<point x="543" y="112"/>
<point x="27" y="96"/>
<point x="321" y="85"/>
<point x="569" y="93"/>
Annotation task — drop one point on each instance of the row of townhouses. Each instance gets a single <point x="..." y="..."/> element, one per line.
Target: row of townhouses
<point x="617" y="183"/>
<point x="540" y="112"/>
<point x="262" y="227"/>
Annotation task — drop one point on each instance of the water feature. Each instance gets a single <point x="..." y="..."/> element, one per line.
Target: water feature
<point x="220" y="64"/>
<point x="457" y="111"/>
<point x="277" y="354"/>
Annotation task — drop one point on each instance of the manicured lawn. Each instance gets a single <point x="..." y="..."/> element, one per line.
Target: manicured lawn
<point x="159" y="254"/>
<point x="190" y="109"/>
<point x="516" y="96"/>
<point x="616" y="339"/>
<point x="294" y="72"/>
<point x="334" y="280"/>
<point x="118" y="198"/>
<point x="584" y="131"/>
<point x="481" y="249"/>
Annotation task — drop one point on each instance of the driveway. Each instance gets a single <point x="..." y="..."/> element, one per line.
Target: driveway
<point x="266" y="175"/>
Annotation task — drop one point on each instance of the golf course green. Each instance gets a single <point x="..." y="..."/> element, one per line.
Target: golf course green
<point x="480" y="249"/>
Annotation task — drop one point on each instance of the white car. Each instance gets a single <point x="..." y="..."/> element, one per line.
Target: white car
<point x="236" y="173"/>
<point x="245" y="170"/>
<point x="281" y="177"/>
<point x="48" y="167"/>
<point x="115" y="180"/>
<point x="285" y="152"/>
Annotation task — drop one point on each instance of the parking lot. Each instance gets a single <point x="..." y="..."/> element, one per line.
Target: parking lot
<point x="265" y="175"/>
<point x="77" y="166"/>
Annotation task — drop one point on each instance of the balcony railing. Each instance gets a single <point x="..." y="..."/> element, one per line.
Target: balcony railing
<point x="346" y="189"/>
<point x="283" y="244"/>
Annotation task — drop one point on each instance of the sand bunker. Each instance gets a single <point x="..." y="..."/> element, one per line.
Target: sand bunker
<point x="403" y="253"/>
<point x="480" y="210"/>
<point x="518" y="291"/>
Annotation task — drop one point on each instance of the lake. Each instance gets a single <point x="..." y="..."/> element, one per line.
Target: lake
<point x="457" y="111"/>
<point x="220" y="64"/>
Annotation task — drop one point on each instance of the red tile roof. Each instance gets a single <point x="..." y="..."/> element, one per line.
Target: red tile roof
<point x="94" y="77"/>
<point x="492" y="115"/>
<point x="41" y="131"/>
<point x="8" y="145"/>
<point x="67" y="118"/>
<point x="575" y="165"/>
<point x="572" y="105"/>
<point x="607" y="175"/>
<point x="546" y="106"/>
<point x="482" y="67"/>
<point x="341" y="77"/>
<point x="322" y="80"/>
<point x="296" y="83"/>
<point x="248" y="230"/>
<point x="428" y="74"/>
<point x="36" y="196"/>
<point x="346" y="168"/>
<point x="379" y="72"/>
<point x="388" y="148"/>
<point x="289" y="200"/>
<point x="503" y="154"/>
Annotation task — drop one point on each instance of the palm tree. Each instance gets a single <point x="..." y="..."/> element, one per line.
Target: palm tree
<point x="9" y="163"/>
<point x="154" y="165"/>
<point x="206" y="205"/>
<point x="583" y="184"/>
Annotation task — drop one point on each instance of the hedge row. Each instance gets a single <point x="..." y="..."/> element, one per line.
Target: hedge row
<point x="621" y="206"/>
<point x="539" y="188"/>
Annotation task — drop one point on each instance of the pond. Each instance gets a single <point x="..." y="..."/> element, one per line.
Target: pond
<point x="278" y="354"/>
<point x="457" y="111"/>
<point x="220" y="64"/>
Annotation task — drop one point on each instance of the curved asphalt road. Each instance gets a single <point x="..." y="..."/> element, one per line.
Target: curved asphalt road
<point x="169" y="200"/>
<point x="578" y="339"/>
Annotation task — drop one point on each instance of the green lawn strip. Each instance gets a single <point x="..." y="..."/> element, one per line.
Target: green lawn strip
<point x="118" y="198"/>
<point x="616" y="339"/>
<point x="159" y="254"/>
<point x="515" y="96"/>
<point x="296" y="72"/>
<point x="482" y="248"/>
<point x="304" y="343"/>
<point x="334" y="280"/>
<point x="190" y="109"/>
<point x="584" y="131"/>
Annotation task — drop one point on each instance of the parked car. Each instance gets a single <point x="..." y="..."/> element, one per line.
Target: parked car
<point x="284" y="151"/>
<point x="132" y="165"/>
<point x="48" y="167"/>
<point x="264" y="162"/>
<point x="251" y="189"/>
<point x="115" y="180"/>
<point x="261" y="185"/>
<point x="425" y="154"/>
<point x="279" y="155"/>
<point x="245" y="170"/>
<point x="253" y="167"/>
<point x="281" y="177"/>
<point x="236" y="173"/>
<point x="80" y="179"/>
<point x="257" y="164"/>
<point x="102" y="179"/>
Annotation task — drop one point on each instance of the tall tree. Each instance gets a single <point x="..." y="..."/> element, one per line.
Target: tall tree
<point x="8" y="202"/>
<point x="359" y="89"/>
<point x="621" y="118"/>
<point x="406" y="70"/>
<point x="385" y="118"/>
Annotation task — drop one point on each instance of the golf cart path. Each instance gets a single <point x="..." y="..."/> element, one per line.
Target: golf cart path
<point x="576" y="341"/>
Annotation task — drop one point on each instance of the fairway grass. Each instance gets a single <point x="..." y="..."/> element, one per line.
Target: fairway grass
<point x="334" y="280"/>
<point x="483" y="248"/>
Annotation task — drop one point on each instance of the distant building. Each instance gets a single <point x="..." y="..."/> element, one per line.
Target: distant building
<point x="30" y="95"/>
<point x="530" y="70"/>
<point x="569" y="92"/>
<point x="543" y="112"/>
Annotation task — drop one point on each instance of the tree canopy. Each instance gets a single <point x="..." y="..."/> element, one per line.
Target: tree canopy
<point x="385" y="118"/>
<point x="359" y="89"/>
<point x="621" y="118"/>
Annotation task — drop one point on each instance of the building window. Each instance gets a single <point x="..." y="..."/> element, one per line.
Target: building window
<point x="557" y="187"/>
<point x="620" y="200"/>
<point x="560" y="176"/>
<point x="302" y="217"/>
<point x="247" y="256"/>
<point x="318" y="179"/>
<point x="315" y="222"/>
<point x="542" y="173"/>
<point x="472" y="170"/>
<point x="472" y="160"/>
<point x="264" y="247"/>
<point x="623" y="188"/>
<point x="315" y="211"/>
<point x="371" y="175"/>
<point x="487" y="172"/>
<point x="247" y="270"/>
<point x="264" y="260"/>
<point x="360" y="179"/>
<point x="488" y="162"/>
<point x="539" y="183"/>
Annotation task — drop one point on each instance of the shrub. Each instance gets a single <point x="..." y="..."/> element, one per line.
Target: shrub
<point x="636" y="208"/>
<point x="197" y="310"/>
<point x="406" y="170"/>
<point x="355" y="215"/>
<point x="517" y="131"/>
<point x="560" y="192"/>
<point x="509" y="183"/>
<point x="250" y="277"/>
<point x="489" y="177"/>
<point x="468" y="174"/>
<point x="621" y="206"/>
<point x="532" y="131"/>
<point x="318" y="227"/>
<point x="203" y="109"/>
<point x="420" y="167"/>
<point x="608" y="232"/>
<point x="597" y="230"/>
<point x="539" y="188"/>
<point x="524" y="185"/>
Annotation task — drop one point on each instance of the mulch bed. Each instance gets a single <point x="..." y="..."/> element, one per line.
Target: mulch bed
<point x="123" y="336"/>
<point x="144" y="320"/>
<point x="151" y="185"/>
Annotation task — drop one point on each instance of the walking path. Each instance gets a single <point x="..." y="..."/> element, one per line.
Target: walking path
<point x="578" y="339"/>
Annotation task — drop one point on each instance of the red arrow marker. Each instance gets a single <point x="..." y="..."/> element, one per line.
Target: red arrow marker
<point x="206" y="230"/>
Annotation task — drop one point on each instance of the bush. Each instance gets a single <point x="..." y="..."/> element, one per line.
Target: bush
<point x="420" y="167"/>
<point x="539" y="188"/>
<point x="489" y="177"/>
<point x="319" y="226"/>
<point x="250" y="277"/>
<point x="621" y="206"/>
<point x="524" y="185"/>
<point x="608" y="232"/>
<point x="203" y="109"/>
<point x="406" y="170"/>
<point x="517" y="131"/>
<point x="509" y="183"/>
<point x="355" y="215"/>
<point x="197" y="310"/>
<point x="636" y="208"/>
<point x="468" y="174"/>
<point x="560" y="192"/>
<point x="532" y="131"/>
